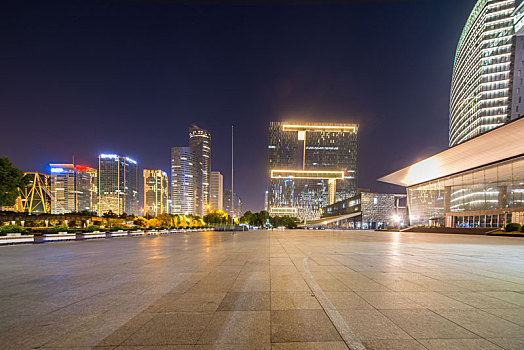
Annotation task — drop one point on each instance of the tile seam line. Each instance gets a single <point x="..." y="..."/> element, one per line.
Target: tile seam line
<point x="349" y="338"/>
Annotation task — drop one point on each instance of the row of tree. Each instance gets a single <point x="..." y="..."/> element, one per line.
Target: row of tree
<point x="263" y="219"/>
<point x="12" y="179"/>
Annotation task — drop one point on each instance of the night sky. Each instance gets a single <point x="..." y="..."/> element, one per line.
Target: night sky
<point x="79" y="78"/>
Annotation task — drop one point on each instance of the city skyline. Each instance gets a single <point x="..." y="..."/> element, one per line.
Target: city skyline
<point x="101" y="78"/>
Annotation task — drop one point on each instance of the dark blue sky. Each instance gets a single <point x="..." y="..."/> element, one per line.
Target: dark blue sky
<point x="80" y="77"/>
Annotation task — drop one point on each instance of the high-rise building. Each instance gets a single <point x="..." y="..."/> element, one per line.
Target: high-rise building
<point x="311" y="165"/>
<point x="190" y="174"/>
<point x="487" y="87"/>
<point x="117" y="184"/>
<point x="155" y="192"/>
<point x="216" y="200"/>
<point x="200" y="141"/>
<point x="72" y="188"/>
<point x="236" y="211"/>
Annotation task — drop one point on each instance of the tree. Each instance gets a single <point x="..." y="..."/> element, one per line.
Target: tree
<point x="109" y="214"/>
<point x="246" y="218"/>
<point x="285" y="221"/>
<point x="11" y="179"/>
<point x="216" y="217"/>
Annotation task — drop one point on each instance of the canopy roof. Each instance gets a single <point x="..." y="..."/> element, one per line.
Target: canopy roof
<point x="494" y="146"/>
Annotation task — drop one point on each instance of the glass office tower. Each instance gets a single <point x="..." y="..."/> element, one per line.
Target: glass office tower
<point x="155" y="192"/>
<point x="217" y="191"/>
<point x="487" y="76"/>
<point x="311" y="165"/>
<point x="71" y="188"/>
<point x="200" y="141"/>
<point x="117" y="184"/>
<point x="190" y="174"/>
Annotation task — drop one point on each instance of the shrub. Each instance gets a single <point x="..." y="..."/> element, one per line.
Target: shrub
<point x="58" y="229"/>
<point x="117" y="227"/>
<point x="93" y="228"/>
<point x="4" y="230"/>
<point x="513" y="226"/>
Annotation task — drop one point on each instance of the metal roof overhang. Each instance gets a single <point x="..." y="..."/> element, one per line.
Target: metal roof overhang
<point x="331" y="219"/>
<point x="502" y="143"/>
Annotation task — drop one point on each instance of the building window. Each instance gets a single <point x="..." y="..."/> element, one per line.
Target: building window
<point x="375" y="200"/>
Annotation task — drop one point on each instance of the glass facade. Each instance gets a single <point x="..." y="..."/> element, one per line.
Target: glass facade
<point x="186" y="180"/>
<point x="200" y="141"/>
<point x="155" y="192"/>
<point x="237" y="204"/>
<point x="484" y="82"/>
<point x="216" y="191"/>
<point x="489" y="196"/>
<point x="72" y="188"/>
<point x="191" y="174"/>
<point x="311" y="165"/>
<point x="367" y="211"/>
<point x="117" y="184"/>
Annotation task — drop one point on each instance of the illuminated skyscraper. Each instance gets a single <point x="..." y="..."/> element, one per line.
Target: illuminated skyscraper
<point x="190" y="174"/>
<point x="117" y="184"/>
<point x="487" y="87"/>
<point x="155" y="192"/>
<point x="217" y="190"/>
<point x="186" y="181"/>
<point x="72" y="189"/>
<point x="311" y="165"/>
<point x="236" y="211"/>
<point x="200" y="141"/>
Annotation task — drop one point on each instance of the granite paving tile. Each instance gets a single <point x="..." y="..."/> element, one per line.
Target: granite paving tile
<point x="237" y="327"/>
<point x="302" y="326"/>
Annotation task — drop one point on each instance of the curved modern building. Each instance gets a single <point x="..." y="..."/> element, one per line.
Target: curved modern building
<point x="483" y="76"/>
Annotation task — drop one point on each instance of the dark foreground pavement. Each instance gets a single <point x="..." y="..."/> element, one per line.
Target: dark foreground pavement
<point x="266" y="290"/>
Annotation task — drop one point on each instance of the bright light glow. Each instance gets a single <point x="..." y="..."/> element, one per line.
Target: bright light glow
<point x="333" y="127"/>
<point x="423" y="171"/>
<point x="307" y="174"/>
<point x="131" y="160"/>
<point x="283" y="211"/>
<point x="110" y="156"/>
<point x="396" y="218"/>
<point x="57" y="170"/>
<point x="301" y="135"/>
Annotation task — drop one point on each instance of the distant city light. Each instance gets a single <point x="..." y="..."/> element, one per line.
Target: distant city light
<point x="106" y="156"/>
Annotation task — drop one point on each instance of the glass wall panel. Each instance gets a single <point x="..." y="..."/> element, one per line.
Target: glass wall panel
<point x="494" y="188"/>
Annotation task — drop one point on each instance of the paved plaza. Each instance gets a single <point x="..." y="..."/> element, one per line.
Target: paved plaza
<point x="265" y="290"/>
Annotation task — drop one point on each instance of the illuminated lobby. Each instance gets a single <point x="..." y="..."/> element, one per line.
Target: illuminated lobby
<point x="478" y="183"/>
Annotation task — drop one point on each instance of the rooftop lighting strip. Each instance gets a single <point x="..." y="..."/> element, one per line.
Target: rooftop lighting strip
<point x="293" y="127"/>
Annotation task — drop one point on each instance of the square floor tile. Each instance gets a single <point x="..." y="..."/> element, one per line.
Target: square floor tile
<point x="425" y="324"/>
<point x="237" y="327"/>
<point x="171" y="328"/>
<point x="245" y="301"/>
<point x="302" y="326"/>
